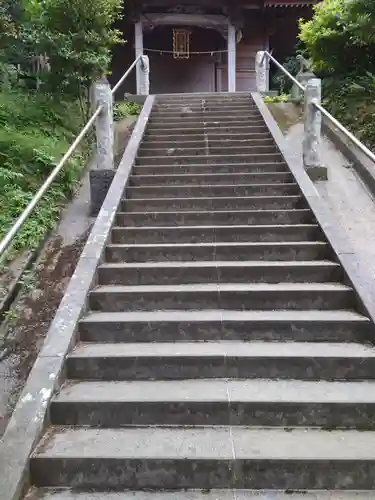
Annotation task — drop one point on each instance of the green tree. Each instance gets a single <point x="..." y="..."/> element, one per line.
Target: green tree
<point x="340" y="37"/>
<point x="77" y="36"/>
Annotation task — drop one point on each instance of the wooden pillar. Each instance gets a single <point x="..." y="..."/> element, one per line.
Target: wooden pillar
<point x="231" y="57"/>
<point x="138" y="43"/>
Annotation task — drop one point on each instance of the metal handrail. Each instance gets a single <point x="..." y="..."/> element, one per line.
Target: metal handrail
<point x="343" y="129"/>
<point x="328" y="115"/>
<point x="126" y="74"/>
<point x="7" y="240"/>
<point x="281" y="67"/>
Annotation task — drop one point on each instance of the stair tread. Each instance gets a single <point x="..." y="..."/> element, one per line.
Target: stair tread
<point x="209" y="176"/>
<point x="234" y="156"/>
<point x="215" y="164"/>
<point x="244" y="244"/>
<point x="213" y="494"/>
<point x="224" y="287"/>
<point x="217" y="263"/>
<point x="201" y="228"/>
<point x="225" y="348"/>
<point x="226" y="315"/>
<point x="230" y="211"/>
<point x="220" y="443"/>
<point x="202" y="198"/>
<point x="215" y="185"/>
<point x="220" y="390"/>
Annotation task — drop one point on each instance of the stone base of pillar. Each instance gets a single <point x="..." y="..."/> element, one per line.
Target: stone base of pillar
<point x="318" y="173"/>
<point x="100" y="180"/>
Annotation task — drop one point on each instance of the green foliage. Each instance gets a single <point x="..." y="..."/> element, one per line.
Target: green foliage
<point x="34" y="134"/>
<point x="291" y="64"/>
<point x="280" y="80"/>
<point x="77" y="36"/>
<point x="352" y="101"/>
<point x="7" y="26"/>
<point x="340" y="37"/>
<point x="36" y="129"/>
<point x="127" y="108"/>
<point x="277" y="98"/>
<point x="341" y="44"/>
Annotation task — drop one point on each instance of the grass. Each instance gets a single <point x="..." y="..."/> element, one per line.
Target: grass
<point x="35" y="132"/>
<point x="125" y="108"/>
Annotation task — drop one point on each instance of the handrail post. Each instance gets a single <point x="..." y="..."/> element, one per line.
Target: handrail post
<point x="102" y="174"/>
<point x="312" y="131"/>
<point x="261" y="65"/>
<point x="144" y="75"/>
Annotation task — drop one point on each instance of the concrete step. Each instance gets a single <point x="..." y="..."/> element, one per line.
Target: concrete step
<point x="219" y="128"/>
<point x="208" y="106"/>
<point x="204" y="142"/>
<point x="208" y="150"/>
<point x="236" y="252"/>
<point x="208" y="326"/>
<point x="205" y="457"/>
<point x="215" y="234"/>
<point x="176" y="273"/>
<point x="231" y="296"/>
<point x="209" y="159"/>
<point x="216" y="218"/>
<point x="199" y="106"/>
<point x="204" y="114"/>
<point x="188" y="132"/>
<point x="230" y="168"/>
<point x="261" y="402"/>
<point x="207" y="121"/>
<point x="225" y="359"/>
<point x="203" y="135"/>
<point x="211" y="179"/>
<point x="213" y="494"/>
<point x="215" y="190"/>
<point x="243" y="123"/>
<point x="218" y="203"/>
<point x="206" y="97"/>
<point x="214" y="102"/>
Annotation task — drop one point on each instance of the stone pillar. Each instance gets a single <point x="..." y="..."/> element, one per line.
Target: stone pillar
<point x="145" y="76"/>
<point x="261" y="72"/>
<point x="138" y="43"/>
<point x="312" y="131"/>
<point x="231" y="57"/>
<point x="103" y="170"/>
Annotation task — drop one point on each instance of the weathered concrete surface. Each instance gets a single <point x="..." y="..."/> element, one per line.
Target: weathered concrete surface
<point x="344" y="192"/>
<point x="202" y="495"/>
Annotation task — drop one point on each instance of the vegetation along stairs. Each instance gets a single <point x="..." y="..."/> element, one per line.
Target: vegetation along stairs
<point x="224" y="350"/>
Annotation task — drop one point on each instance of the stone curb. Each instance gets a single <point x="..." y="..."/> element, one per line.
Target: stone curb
<point x="27" y="422"/>
<point x="356" y="273"/>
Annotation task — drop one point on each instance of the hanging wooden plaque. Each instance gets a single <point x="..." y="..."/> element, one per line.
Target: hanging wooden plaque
<point x="181" y="43"/>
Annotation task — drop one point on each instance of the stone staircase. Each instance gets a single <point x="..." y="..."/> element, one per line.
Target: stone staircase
<point x="222" y="351"/>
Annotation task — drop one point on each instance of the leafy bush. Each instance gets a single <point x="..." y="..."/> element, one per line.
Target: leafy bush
<point x="341" y="44"/>
<point x="123" y="109"/>
<point x="35" y="132"/>
<point x="340" y="37"/>
<point x="352" y="101"/>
